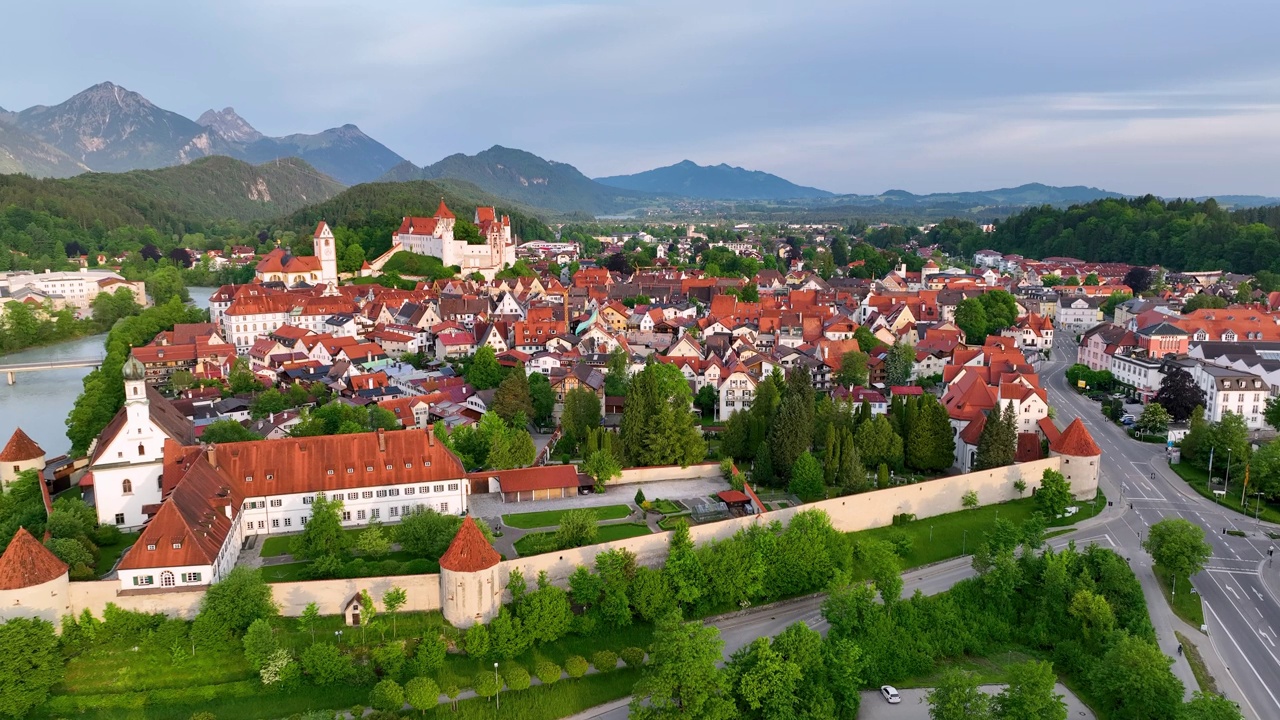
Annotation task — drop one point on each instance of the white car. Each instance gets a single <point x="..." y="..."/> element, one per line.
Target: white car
<point x="890" y="694"/>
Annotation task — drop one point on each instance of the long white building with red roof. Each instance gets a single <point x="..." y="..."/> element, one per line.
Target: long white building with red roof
<point x="434" y="237"/>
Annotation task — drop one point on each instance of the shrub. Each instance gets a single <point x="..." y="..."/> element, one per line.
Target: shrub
<point x="422" y="693"/>
<point x="387" y="696"/>
<point x="429" y="656"/>
<point x="547" y="671"/>
<point x="903" y="518"/>
<point x="902" y="543"/>
<point x="517" y="677"/>
<point x="477" y="642"/>
<point x="726" y="468"/>
<point x="633" y="657"/>
<point x="604" y="660"/>
<point x="576" y="666"/>
<point x="487" y="683"/>
<point x="326" y="664"/>
<point x="639" y="497"/>
<point x="389" y="659"/>
<point x="106" y="535"/>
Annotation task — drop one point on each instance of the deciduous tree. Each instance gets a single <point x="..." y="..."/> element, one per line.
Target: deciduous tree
<point x="1179" y="393"/>
<point x="681" y="679"/>
<point x="1178" y="545"/>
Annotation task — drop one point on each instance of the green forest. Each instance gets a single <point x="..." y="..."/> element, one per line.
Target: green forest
<point x="1177" y="234"/>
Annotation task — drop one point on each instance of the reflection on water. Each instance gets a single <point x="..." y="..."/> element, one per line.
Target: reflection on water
<point x="40" y="401"/>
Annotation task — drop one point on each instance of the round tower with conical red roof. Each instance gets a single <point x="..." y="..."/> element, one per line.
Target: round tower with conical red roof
<point x="33" y="582"/>
<point x="21" y="453"/>
<point x="470" y="590"/>
<point x="1081" y="458"/>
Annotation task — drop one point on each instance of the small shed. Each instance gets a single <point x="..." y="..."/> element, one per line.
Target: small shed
<point x="737" y="502"/>
<point x="546" y="482"/>
<point x="351" y="611"/>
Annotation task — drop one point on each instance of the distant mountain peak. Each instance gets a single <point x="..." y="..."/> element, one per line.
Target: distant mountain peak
<point x="713" y="182"/>
<point x="229" y="125"/>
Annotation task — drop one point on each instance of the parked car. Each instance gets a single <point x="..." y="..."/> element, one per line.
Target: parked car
<point x="890" y="694"/>
<point x="1128" y="419"/>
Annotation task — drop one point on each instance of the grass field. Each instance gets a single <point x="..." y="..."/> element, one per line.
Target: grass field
<point x="536" y="543"/>
<point x="109" y="554"/>
<point x="551" y="518"/>
<point x="1198" y="480"/>
<point x="1203" y="678"/>
<point x="985" y="670"/>
<point x="948" y="536"/>
<point x="1185" y="604"/>
<point x="666" y="507"/>
<point x="669" y="522"/>
<point x="277" y="545"/>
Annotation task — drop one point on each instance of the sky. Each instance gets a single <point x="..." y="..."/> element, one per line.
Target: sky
<point x="854" y="96"/>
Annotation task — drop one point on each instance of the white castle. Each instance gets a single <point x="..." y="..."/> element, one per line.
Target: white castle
<point x="433" y="236"/>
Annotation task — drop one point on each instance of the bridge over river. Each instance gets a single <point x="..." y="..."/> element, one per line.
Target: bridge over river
<point x="11" y="370"/>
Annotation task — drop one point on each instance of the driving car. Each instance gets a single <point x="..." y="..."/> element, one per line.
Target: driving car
<point x="890" y="694"/>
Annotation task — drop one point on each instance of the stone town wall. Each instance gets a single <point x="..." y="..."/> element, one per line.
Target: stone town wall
<point x="668" y="472"/>
<point x="851" y="513"/>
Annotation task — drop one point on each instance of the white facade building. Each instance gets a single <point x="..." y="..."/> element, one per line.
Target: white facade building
<point x="434" y="237"/>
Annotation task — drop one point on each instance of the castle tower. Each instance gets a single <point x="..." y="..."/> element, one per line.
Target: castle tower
<point x="326" y="249"/>
<point x="21" y="453"/>
<point x="444" y="222"/>
<point x="470" y="590"/>
<point x="33" y="582"/>
<point x="1080" y="459"/>
<point x="137" y="404"/>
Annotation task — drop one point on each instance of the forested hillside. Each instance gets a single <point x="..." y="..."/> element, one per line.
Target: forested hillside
<point x="1177" y="234"/>
<point x="374" y="210"/>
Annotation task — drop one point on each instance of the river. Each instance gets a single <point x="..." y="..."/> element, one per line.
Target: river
<point x="40" y="401"/>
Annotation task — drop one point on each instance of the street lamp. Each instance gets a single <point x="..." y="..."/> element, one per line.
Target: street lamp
<point x="498" y="696"/>
<point x="1227" y="480"/>
<point x="964" y="542"/>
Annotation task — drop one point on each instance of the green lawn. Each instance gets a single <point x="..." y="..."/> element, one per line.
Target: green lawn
<point x="1185" y="603"/>
<point x="985" y="670"/>
<point x="1203" y="678"/>
<point x="1198" y="480"/>
<point x="948" y="536"/>
<point x="536" y="543"/>
<point x="109" y="554"/>
<point x="277" y="545"/>
<point x="670" y="521"/>
<point x="564" y="698"/>
<point x="551" y="518"/>
<point x="666" y="507"/>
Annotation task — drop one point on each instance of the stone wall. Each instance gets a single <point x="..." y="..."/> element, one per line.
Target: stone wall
<point x="848" y="514"/>
<point x="668" y="472"/>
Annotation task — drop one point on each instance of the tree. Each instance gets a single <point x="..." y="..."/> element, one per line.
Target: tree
<point x="372" y="541"/>
<point x="706" y="401"/>
<point x="242" y="379"/>
<point x="1209" y="706"/>
<point x="877" y="443"/>
<point x="930" y="443"/>
<point x="487" y="683"/>
<point x="310" y="619"/>
<point x="225" y="431"/>
<point x="764" y="681"/>
<point x="326" y="664"/>
<point x="806" y="478"/>
<point x="387" y="696"/>
<point x="1133" y="682"/>
<point x="853" y="369"/>
<point x="681" y="679"/>
<point x="259" y="643"/>
<point x="581" y="413"/>
<point x="30" y="666"/>
<point x="683" y="570"/>
<point x="577" y="528"/>
<point x="998" y="442"/>
<point x="792" y="431"/>
<point x="657" y="425"/>
<point x="1203" y="301"/>
<point x="1139" y="279"/>
<point x="602" y="467"/>
<point x="484" y="372"/>
<point x="1030" y="694"/>
<point x="867" y="341"/>
<point x="513" y="396"/>
<point x="957" y="697"/>
<point x="1154" y="419"/>
<point x="1179" y="393"/>
<point x="323" y="534"/>
<point x="546" y="612"/>
<point x="422" y="694"/>
<point x="971" y="318"/>
<point x="229" y="607"/>
<point x="1272" y="413"/>
<point x="616" y="374"/>
<point x="1054" y="494"/>
<point x="900" y="362"/>
<point x="542" y="397"/>
<point x="1178" y="546"/>
<point x="510" y="447"/>
<point x="392" y="601"/>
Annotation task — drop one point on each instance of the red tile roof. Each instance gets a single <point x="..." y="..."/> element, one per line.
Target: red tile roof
<point x="191" y="525"/>
<point x="1076" y="441"/>
<point x="469" y="551"/>
<point x="26" y="563"/>
<point x="20" y="447"/>
<point x="733" y="497"/>
<point x="544" y="477"/>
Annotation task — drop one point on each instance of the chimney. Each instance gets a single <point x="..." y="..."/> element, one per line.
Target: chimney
<point x="382" y="440"/>
<point x="431" y="436"/>
<point x="227" y="509"/>
<point x="211" y="453"/>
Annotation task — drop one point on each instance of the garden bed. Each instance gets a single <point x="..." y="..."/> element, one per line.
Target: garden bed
<point x="537" y="543"/>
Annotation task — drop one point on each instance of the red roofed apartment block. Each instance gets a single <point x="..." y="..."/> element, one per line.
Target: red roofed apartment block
<point x="1080" y="456"/>
<point x="470" y="588"/>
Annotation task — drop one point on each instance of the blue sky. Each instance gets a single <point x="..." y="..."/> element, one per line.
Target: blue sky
<point x="1172" y="97"/>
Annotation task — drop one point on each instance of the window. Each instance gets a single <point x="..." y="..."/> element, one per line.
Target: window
<point x="303" y="521"/>
<point x="388" y="466"/>
<point x="438" y="488"/>
<point x="444" y="507"/>
<point x="361" y="514"/>
<point x="382" y="493"/>
<point x="368" y="468"/>
<point x="167" y="579"/>
<point x="275" y="523"/>
<point x="126" y="487"/>
<point x="394" y="492"/>
<point x="408" y="491"/>
<point x="288" y="522"/>
<point x="248" y="478"/>
<point x="193" y="577"/>
<point x="276" y="503"/>
<point x="350" y="470"/>
<point x="119" y="518"/>
<point x="453" y="487"/>
<point x="151" y="546"/>
<point x="248" y="525"/>
<point x="366" y="494"/>
<point x="262" y="524"/>
<point x="408" y="466"/>
<point x="144" y="580"/>
<point x="424" y="489"/>
<point x="177" y="545"/>
<point x="353" y="496"/>
<point x="142" y="450"/>
<point x="395" y="511"/>
<point x="307" y="500"/>
<point x="329" y="471"/>
<point x="346" y="515"/>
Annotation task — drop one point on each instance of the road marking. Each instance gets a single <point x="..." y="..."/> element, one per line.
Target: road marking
<point x="1231" y="590"/>
<point x="1231" y="571"/>
<point x="1267" y="638"/>
<point x="1244" y="657"/>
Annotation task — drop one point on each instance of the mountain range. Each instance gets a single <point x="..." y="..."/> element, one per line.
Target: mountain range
<point x="713" y="182"/>
<point x="108" y="128"/>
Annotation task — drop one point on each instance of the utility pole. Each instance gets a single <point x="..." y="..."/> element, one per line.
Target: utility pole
<point x="1209" y="482"/>
<point x="1227" y="480"/>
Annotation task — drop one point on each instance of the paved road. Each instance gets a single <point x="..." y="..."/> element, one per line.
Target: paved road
<point x="913" y="706"/>
<point x="1241" y="610"/>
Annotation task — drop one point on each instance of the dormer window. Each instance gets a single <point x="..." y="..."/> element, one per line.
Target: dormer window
<point x="177" y="545"/>
<point x="151" y="546"/>
<point x="248" y="478"/>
